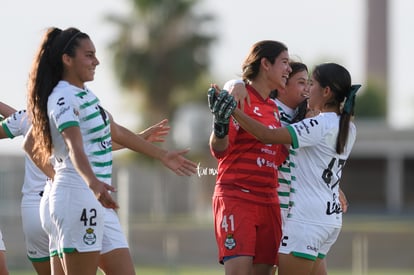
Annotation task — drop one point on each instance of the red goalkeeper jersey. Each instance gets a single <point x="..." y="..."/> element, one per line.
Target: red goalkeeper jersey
<point x="247" y="169"/>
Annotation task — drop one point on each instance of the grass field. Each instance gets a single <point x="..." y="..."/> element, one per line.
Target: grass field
<point x="219" y="271"/>
<point x="382" y="233"/>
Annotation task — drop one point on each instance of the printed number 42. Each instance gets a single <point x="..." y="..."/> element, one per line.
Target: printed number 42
<point x="91" y="219"/>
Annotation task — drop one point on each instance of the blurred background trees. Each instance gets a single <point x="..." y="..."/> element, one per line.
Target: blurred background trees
<point x="161" y="52"/>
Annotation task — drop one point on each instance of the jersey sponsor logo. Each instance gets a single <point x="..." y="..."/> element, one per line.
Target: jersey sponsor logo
<point x="313" y="122"/>
<point x="256" y="111"/>
<point x="62" y="111"/>
<point x="230" y="242"/>
<point x="106" y="144"/>
<point x="268" y="151"/>
<point x="284" y="241"/>
<point x="333" y="207"/>
<point x="309" y="247"/>
<point x="304" y="126"/>
<point x="32" y="252"/>
<point x="260" y="161"/>
<point x="263" y="162"/>
<point x="89" y="238"/>
<point x="60" y="101"/>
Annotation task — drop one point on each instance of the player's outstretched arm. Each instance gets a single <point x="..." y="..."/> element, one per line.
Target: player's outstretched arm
<point x="154" y="133"/>
<point x="6" y="110"/>
<point x="174" y="160"/>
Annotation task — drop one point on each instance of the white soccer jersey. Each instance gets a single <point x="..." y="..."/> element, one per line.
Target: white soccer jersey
<point x="15" y="125"/>
<point x="318" y="169"/>
<point x="70" y="197"/>
<point x="284" y="170"/>
<point x="71" y="106"/>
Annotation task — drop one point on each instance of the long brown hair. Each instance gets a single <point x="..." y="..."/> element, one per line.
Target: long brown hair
<point x="46" y="72"/>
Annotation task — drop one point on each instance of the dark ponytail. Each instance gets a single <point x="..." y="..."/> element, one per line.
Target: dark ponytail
<point x="46" y="72"/>
<point x="338" y="79"/>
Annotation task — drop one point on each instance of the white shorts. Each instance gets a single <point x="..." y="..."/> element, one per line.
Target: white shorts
<point x="79" y="218"/>
<point x="2" y="246"/>
<point x="46" y="222"/>
<point x="113" y="237"/>
<point x="309" y="241"/>
<point x="37" y="240"/>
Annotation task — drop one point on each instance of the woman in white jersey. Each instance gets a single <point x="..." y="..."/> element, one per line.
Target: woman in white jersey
<point x="69" y="123"/>
<point x="154" y="133"/>
<point x="36" y="239"/>
<point x="5" y="111"/>
<point x="323" y="145"/>
<point x="35" y="190"/>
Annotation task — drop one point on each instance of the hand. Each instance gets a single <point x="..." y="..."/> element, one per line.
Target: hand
<point x="156" y="132"/>
<point x="222" y="105"/>
<point x="220" y="102"/>
<point x="175" y="161"/>
<point x="343" y="200"/>
<point x="239" y="92"/>
<point x="211" y="97"/>
<point x="100" y="189"/>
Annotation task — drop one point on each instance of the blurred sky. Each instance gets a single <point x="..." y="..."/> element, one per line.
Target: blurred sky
<point x="314" y="31"/>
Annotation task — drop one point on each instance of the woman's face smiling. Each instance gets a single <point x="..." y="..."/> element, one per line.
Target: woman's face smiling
<point x="297" y="87"/>
<point x="279" y="71"/>
<point x="81" y="68"/>
<point x="316" y="99"/>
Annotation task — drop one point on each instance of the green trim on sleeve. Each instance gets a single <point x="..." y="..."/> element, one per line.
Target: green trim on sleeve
<point x="295" y="143"/>
<point x="67" y="125"/>
<point x="7" y="130"/>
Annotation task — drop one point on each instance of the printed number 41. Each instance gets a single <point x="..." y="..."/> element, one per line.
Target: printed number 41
<point x="225" y="223"/>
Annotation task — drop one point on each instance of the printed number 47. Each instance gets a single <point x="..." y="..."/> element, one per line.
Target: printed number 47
<point x="226" y="222"/>
<point x="327" y="173"/>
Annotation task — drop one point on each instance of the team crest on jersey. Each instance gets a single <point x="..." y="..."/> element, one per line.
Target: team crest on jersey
<point x="89" y="238"/>
<point x="230" y="242"/>
<point x="76" y="112"/>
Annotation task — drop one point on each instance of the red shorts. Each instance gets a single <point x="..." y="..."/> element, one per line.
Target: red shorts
<point x="246" y="228"/>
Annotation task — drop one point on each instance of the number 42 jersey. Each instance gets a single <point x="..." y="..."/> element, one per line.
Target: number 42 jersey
<point x="70" y="106"/>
